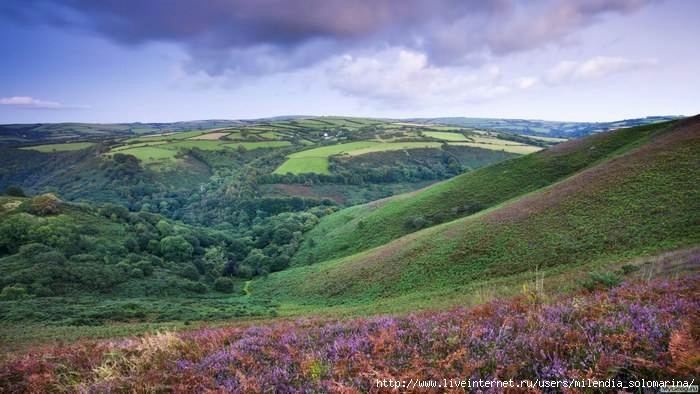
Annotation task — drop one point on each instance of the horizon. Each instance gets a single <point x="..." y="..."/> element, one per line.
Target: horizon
<point x="359" y="117"/>
<point x="568" y="61"/>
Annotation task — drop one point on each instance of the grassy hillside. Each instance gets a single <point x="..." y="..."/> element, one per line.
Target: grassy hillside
<point x="644" y="198"/>
<point x="543" y="127"/>
<point x="362" y="227"/>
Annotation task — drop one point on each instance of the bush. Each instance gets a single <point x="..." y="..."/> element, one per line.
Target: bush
<point x="223" y="285"/>
<point x="176" y="248"/>
<point x="14" y="191"/>
<point x="45" y="204"/>
<point x="190" y="272"/>
<point x="13" y="292"/>
<point x="597" y="280"/>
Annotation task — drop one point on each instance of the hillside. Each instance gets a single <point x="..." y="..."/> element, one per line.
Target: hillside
<point x="322" y="355"/>
<point x="545" y="128"/>
<point x="640" y="198"/>
<point x="361" y="227"/>
<point x="66" y="264"/>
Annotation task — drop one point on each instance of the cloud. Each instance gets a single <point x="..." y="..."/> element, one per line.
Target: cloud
<point x="257" y="37"/>
<point x="32" y="103"/>
<point x="405" y="77"/>
<point x="595" y="68"/>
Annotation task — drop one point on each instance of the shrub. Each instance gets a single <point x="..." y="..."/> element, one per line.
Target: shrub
<point x="597" y="280"/>
<point x="14" y="191"/>
<point x="176" y="248"/>
<point x="45" y="204"/>
<point x="136" y="273"/>
<point x="13" y="292"/>
<point x="223" y="285"/>
<point x="189" y="272"/>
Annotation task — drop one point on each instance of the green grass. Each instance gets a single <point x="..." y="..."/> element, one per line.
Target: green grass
<point x="182" y="135"/>
<point x="644" y="201"/>
<point x="362" y="227"/>
<point x="64" y="147"/>
<point x="156" y="151"/>
<point x="505" y="147"/>
<point x="149" y="154"/>
<point x="317" y="165"/>
<point x="445" y="136"/>
<point x="316" y="160"/>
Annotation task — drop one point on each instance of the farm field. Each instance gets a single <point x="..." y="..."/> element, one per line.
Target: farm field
<point x="62" y="147"/>
<point x="316" y="160"/>
<point x="445" y="136"/>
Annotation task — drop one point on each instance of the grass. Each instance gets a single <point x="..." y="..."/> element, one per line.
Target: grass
<point x="182" y="135"/>
<point x="445" y="136"/>
<point x="316" y="160"/>
<point x="362" y="227"/>
<point x="149" y="154"/>
<point x="510" y="148"/>
<point x="648" y="325"/>
<point x="157" y="151"/>
<point x="219" y="145"/>
<point x="643" y="201"/>
<point x="63" y="147"/>
<point x="210" y="136"/>
<point x="318" y="165"/>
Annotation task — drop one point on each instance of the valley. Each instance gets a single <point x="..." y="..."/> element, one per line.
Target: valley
<point x="263" y="224"/>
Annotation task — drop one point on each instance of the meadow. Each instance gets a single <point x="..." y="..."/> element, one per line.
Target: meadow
<point x="316" y="160"/>
<point x="61" y="147"/>
<point x="639" y="329"/>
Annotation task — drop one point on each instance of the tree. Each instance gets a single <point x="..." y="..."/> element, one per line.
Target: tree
<point x="223" y="285"/>
<point x="14" y="191"/>
<point x="13" y="292"/>
<point x="176" y="248"/>
<point x="45" y="204"/>
<point x="215" y="259"/>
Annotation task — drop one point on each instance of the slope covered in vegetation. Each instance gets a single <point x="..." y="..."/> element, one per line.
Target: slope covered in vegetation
<point x="644" y="329"/>
<point x="362" y="227"/>
<point x="639" y="201"/>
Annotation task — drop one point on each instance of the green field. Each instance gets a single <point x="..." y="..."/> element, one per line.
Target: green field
<point x="183" y="135"/>
<point x="162" y="150"/>
<point x="64" y="147"/>
<point x="445" y="136"/>
<point x="218" y="144"/>
<point x="149" y="154"/>
<point x="505" y="147"/>
<point x="304" y="165"/>
<point x="299" y="162"/>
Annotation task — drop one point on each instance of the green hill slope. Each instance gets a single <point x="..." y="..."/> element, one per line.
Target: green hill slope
<point x="638" y="202"/>
<point x="362" y="227"/>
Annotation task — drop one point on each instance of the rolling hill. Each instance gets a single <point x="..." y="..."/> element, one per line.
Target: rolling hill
<point x="619" y="195"/>
<point x="361" y="227"/>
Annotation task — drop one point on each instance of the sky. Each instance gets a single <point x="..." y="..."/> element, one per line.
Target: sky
<point x="173" y="60"/>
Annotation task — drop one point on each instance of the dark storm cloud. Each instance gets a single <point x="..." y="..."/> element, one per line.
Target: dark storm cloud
<point x="262" y="36"/>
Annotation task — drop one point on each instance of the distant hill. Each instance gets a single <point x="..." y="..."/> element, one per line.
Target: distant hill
<point x="544" y="127"/>
<point x="639" y="197"/>
<point x="18" y="134"/>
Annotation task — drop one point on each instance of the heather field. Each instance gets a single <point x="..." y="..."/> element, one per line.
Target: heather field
<point x="636" y="330"/>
